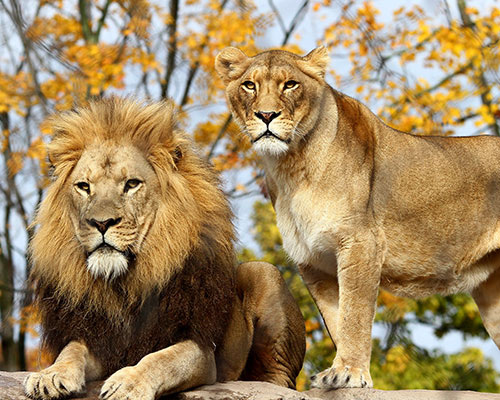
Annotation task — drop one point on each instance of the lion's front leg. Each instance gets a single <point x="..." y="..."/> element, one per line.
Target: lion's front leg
<point x="67" y="376"/>
<point x="179" y="367"/>
<point x="359" y="267"/>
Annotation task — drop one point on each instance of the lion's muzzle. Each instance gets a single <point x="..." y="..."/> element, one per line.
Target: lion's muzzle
<point x="103" y="226"/>
<point x="106" y="259"/>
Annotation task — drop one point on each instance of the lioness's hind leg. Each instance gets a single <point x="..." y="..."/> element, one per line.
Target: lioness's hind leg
<point x="487" y="298"/>
<point x="278" y="345"/>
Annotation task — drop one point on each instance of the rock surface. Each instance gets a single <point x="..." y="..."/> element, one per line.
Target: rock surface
<point x="11" y="389"/>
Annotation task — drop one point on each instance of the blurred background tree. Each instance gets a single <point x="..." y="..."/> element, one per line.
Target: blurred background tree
<point x="426" y="67"/>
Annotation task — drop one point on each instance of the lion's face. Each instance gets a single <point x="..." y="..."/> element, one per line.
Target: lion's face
<point x="274" y="96"/>
<point x="130" y="203"/>
<point x="113" y="191"/>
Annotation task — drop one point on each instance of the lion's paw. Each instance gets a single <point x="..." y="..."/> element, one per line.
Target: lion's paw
<point x="49" y="384"/>
<point x="127" y="384"/>
<point x="342" y="377"/>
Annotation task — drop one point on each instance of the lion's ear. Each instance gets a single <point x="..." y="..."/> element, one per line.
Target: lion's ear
<point x="61" y="160"/>
<point x="230" y="64"/>
<point x="64" y="148"/>
<point x="315" y="62"/>
<point x="178" y="148"/>
<point x="177" y="154"/>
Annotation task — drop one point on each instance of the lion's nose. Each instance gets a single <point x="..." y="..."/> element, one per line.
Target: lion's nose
<point x="267" y="116"/>
<point x="103" y="226"/>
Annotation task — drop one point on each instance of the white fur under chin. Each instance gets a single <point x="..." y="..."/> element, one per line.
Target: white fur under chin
<point x="107" y="264"/>
<point x="270" y="146"/>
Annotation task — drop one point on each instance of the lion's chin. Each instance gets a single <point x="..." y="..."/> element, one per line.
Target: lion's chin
<point x="107" y="263"/>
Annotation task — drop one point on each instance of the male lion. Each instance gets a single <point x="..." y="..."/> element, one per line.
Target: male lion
<point x="361" y="205"/>
<point x="134" y="266"/>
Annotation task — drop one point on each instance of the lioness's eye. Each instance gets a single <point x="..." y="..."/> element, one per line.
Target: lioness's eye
<point x="131" y="184"/>
<point x="291" y="84"/>
<point x="249" y="85"/>
<point x="83" y="186"/>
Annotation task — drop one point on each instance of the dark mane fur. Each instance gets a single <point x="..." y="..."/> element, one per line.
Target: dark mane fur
<point x="196" y="304"/>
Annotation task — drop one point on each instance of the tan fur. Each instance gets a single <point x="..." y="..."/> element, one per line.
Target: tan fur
<point x="148" y="131"/>
<point x="163" y="307"/>
<point x="271" y="320"/>
<point x="361" y="205"/>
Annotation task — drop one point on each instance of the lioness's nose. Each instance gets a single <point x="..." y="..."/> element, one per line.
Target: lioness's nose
<point x="267" y="116"/>
<point x="102" y="226"/>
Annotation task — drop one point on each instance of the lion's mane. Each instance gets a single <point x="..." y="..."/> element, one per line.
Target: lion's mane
<point x="181" y="284"/>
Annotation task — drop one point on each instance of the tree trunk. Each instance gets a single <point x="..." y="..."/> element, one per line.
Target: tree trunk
<point x="9" y="360"/>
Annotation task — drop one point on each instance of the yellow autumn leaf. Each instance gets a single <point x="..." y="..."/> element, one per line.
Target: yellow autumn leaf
<point x="15" y="163"/>
<point x="37" y="150"/>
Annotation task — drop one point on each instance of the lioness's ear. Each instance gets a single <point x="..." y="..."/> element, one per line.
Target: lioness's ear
<point x="230" y="63"/>
<point x="315" y="62"/>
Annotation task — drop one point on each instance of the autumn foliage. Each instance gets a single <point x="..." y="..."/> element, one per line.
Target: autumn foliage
<point x="430" y="68"/>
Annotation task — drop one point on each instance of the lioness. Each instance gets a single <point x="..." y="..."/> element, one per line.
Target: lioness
<point x="134" y="266"/>
<point x="361" y="205"/>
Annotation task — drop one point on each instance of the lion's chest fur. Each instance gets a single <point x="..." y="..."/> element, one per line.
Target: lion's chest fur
<point x="115" y="342"/>
<point x="195" y="304"/>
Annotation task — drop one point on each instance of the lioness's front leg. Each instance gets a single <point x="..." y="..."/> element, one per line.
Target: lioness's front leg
<point x="67" y="376"/>
<point x="324" y="289"/>
<point x="179" y="367"/>
<point x="359" y="267"/>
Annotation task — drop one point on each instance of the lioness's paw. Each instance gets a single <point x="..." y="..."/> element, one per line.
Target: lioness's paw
<point x="127" y="384"/>
<point x="50" y="384"/>
<point x="342" y="377"/>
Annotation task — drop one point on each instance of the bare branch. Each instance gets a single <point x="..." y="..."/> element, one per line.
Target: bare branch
<point x="278" y="16"/>
<point x="172" y="46"/>
<point x="83" y="7"/>
<point x="16" y="17"/>
<point x="222" y="130"/>
<point x="447" y="11"/>
<point x="251" y="181"/>
<point x="194" y="68"/>
<point x="297" y="19"/>
<point x="102" y="20"/>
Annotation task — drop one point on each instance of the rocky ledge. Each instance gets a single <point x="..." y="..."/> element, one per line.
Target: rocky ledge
<point x="11" y="389"/>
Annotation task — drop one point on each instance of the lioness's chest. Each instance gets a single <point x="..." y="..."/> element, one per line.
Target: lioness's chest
<point x="307" y="224"/>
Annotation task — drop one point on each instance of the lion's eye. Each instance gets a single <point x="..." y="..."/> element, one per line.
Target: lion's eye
<point x="249" y="85"/>
<point x="131" y="184"/>
<point x="291" y="84"/>
<point x="83" y="186"/>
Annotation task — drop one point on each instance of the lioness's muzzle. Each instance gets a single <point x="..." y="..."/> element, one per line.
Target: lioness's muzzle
<point x="268" y="134"/>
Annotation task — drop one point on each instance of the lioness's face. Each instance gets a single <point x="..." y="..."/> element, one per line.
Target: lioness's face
<point x="273" y="96"/>
<point x="114" y="207"/>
